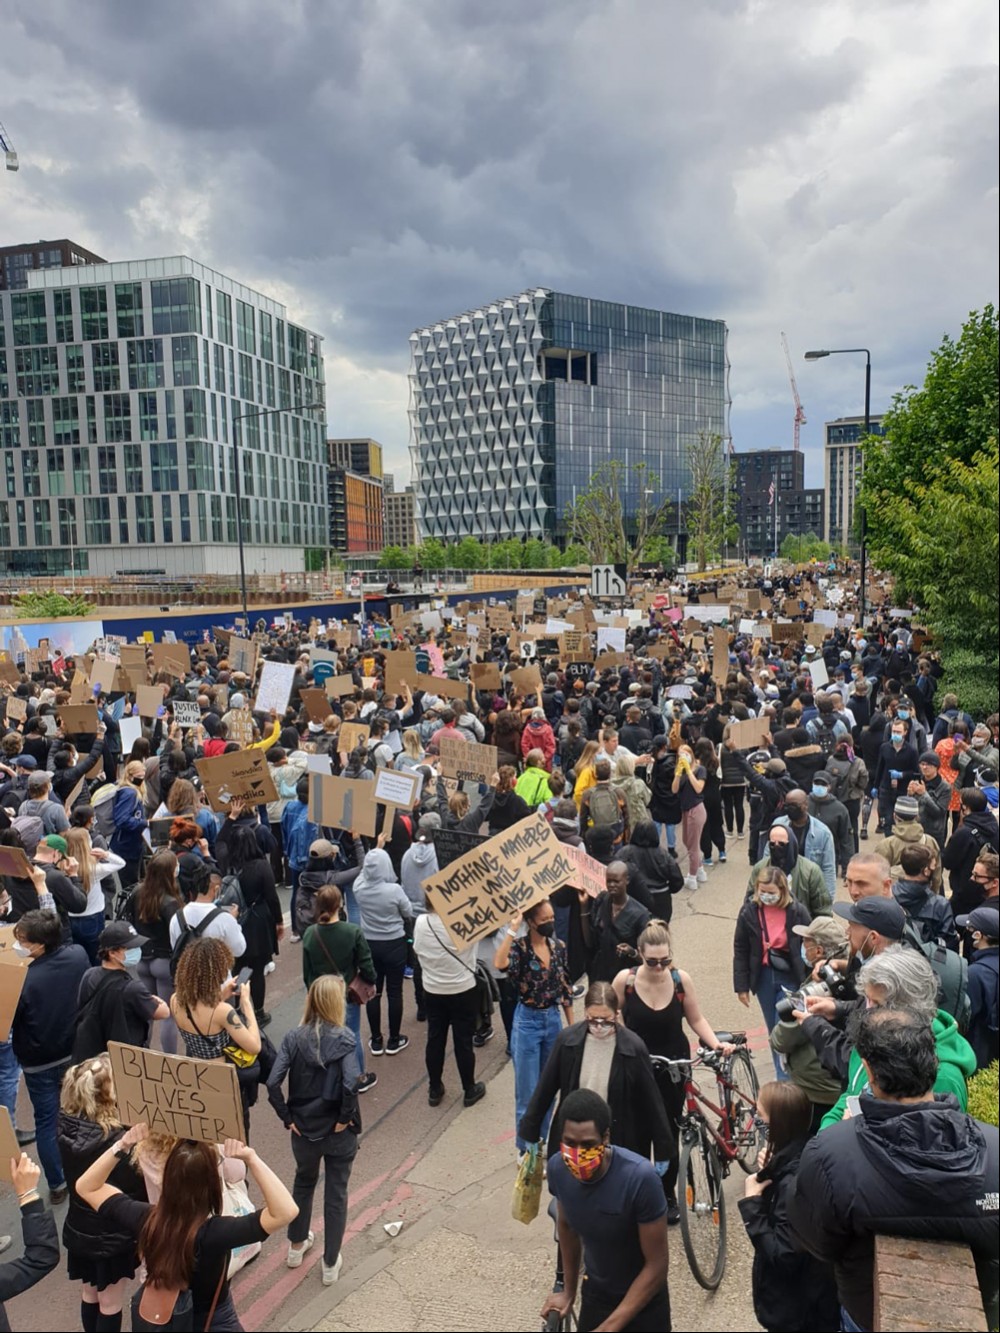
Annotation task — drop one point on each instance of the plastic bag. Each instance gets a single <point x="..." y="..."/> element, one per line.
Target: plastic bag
<point x="528" y="1186"/>
<point x="236" y="1203"/>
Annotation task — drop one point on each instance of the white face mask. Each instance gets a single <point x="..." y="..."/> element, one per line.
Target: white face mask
<point x="21" y="949"/>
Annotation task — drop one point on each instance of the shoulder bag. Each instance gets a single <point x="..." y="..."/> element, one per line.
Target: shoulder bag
<point x="359" y="991"/>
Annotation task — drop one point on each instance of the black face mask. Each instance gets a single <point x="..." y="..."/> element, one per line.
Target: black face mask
<point x="779" y="854"/>
<point x="797" y="813"/>
<point x="546" y="929"/>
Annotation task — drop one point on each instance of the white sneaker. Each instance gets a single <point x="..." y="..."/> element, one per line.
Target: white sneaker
<point x="269" y="968"/>
<point x="690" y="882"/>
<point x="295" y="1256"/>
<point x="331" y="1272"/>
<point x="702" y="875"/>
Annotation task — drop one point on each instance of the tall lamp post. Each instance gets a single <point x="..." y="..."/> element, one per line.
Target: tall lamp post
<point x="240" y="417"/>
<point x="855" y="351"/>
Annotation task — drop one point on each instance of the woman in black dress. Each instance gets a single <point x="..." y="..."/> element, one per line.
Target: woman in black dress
<point x="240" y="854"/>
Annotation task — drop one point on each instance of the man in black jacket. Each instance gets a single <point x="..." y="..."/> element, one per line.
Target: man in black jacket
<point x="977" y="832"/>
<point x="908" y="1163"/>
<point x="41" y="1242"/>
<point x="928" y="912"/>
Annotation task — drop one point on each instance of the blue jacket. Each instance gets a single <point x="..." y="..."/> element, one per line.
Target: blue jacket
<point x="817" y="846"/>
<point x="297" y="833"/>
<point x="984" y="986"/>
<point x="45" y="1019"/>
<point x="129" y="820"/>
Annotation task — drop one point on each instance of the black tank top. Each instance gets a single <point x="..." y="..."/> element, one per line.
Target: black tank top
<point x="661" y="1029"/>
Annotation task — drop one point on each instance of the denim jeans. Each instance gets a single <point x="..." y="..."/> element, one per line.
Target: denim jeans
<point x="336" y="1153"/>
<point x="43" y="1088"/>
<point x="351" y="905"/>
<point x="85" y="930"/>
<point x="847" y="1324"/>
<point x="353" y="1021"/>
<point x="768" y="994"/>
<point x="10" y="1077"/>
<point x="671" y="833"/>
<point x="534" y="1035"/>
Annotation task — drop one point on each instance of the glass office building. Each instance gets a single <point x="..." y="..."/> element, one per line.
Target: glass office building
<point x="514" y="406"/>
<point x="121" y="389"/>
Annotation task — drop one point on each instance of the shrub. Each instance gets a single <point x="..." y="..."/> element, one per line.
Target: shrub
<point x="984" y="1089"/>
<point x="52" y="606"/>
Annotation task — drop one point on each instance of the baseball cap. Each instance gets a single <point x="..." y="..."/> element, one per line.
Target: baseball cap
<point x="823" y="930"/>
<point x="883" y="915"/>
<point x="26" y="761"/>
<point x="906" y="807"/>
<point x="120" y="935"/>
<point x="774" y="767"/>
<point x="930" y="757"/>
<point x="321" y="849"/>
<point x="57" y="842"/>
<point x="39" y="778"/>
<point x="984" y="919"/>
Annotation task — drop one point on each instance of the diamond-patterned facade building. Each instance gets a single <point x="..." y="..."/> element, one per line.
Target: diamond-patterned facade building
<point x="515" y="405"/>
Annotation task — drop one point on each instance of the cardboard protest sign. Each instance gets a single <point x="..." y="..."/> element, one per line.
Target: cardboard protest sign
<point x="720" y="654"/>
<point x="346" y="803"/>
<point x="815" y="634"/>
<point x="785" y="631"/>
<point x="485" y="675"/>
<point x="242" y="775"/>
<point x="321" y="655"/>
<point x="337" y="686"/>
<point x="242" y="654"/>
<point x="752" y="734"/>
<point x="10" y="1149"/>
<point x="400" y="670"/>
<point x="12" y="970"/>
<point x="316" y="703"/>
<point x="186" y="713"/>
<point x="588" y="873"/>
<point x="130" y="729"/>
<point x="467" y="761"/>
<point x="275" y="687"/>
<point x="102" y="673"/>
<point x="444" y="687"/>
<point x="452" y="843"/>
<point x="10" y="673"/>
<point x="527" y="680"/>
<point x="17" y="709"/>
<point x="351" y="735"/>
<point x="172" y="658"/>
<point x="176" y="1095"/>
<point x="149" y="700"/>
<point x="74" y="795"/>
<point x="824" y="617"/>
<point x="606" y="660"/>
<point x="610" y="640"/>
<point x="78" y="719"/>
<point x="240" y="723"/>
<point x="397" y="787"/>
<point x="478" y="893"/>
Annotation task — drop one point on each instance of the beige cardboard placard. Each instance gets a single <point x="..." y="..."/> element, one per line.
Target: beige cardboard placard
<point x="337" y="686"/>
<point x="103" y="673"/>
<point x="149" y="700"/>
<point x="172" y="658"/>
<point x="240" y="724"/>
<point x="486" y="676"/>
<point x="753" y="734"/>
<point x="816" y="634"/>
<point x="242" y="655"/>
<point x="397" y="787"/>
<point x="588" y="873"/>
<point x="609" y="660"/>
<point x="243" y="775"/>
<point x="347" y="803"/>
<point x="444" y="687"/>
<point x="10" y="673"/>
<point x="351" y="735"/>
<point x="575" y="646"/>
<point x="78" y="719"/>
<point x="73" y="797"/>
<point x="10" y="1149"/>
<point x="467" y="761"/>
<point x="174" y="1094"/>
<point x="400" y="670"/>
<point x="477" y="894"/>
<point x="17" y="709"/>
<point x="527" y="680"/>
<point x="787" y="632"/>
<point x="12" y="970"/>
<point x="720" y="654"/>
<point x="316" y="703"/>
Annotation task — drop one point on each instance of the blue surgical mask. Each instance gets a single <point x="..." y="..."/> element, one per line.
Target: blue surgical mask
<point x="133" y="957"/>
<point x="903" y="714"/>
<point x="898" y="741"/>
<point x="819" y="790"/>
<point x="805" y="955"/>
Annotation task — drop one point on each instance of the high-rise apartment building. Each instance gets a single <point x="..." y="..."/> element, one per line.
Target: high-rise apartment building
<point x="356" y="509"/>
<point x="126" y="392"/>
<point x="400" y="517"/>
<point x="842" y="470"/>
<point x="17" y="261"/>
<point x="514" y="406"/>
<point x="792" y="506"/>
<point x="361" y="456"/>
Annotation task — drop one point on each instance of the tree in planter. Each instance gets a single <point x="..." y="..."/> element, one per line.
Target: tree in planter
<point x="598" y="522"/>
<point x="799" y="548"/>
<point x="504" y="555"/>
<point x="394" y="557"/>
<point x="711" y="518"/>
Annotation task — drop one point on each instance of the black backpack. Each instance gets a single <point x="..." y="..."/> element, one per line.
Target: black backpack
<point x="826" y="736"/>
<point x="189" y="933"/>
<point x="101" y="1018"/>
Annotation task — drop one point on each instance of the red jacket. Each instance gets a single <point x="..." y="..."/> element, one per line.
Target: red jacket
<point x="539" y="736"/>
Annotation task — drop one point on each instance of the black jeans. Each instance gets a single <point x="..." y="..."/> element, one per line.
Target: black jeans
<point x="460" y="1013"/>
<point x="853" y="809"/>
<point x="733" y="805"/>
<point x="337" y="1153"/>
<point x="714" y="832"/>
<point x="389" y="957"/>
<point x="595" y="1306"/>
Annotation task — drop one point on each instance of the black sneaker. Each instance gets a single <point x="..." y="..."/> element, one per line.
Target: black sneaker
<point x="58" y="1196"/>
<point x="421" y="1015"/>
<point x="474" y="1094"/>
<point x="394" y="1047"/>
<point x="263" y="1018"/>
<point x="482" y="1037"/>
<point x="673" y="1212"/>
<point x="24" y="1137"/>
<point x="435" y="1096"/>
<point x="376" y="1045"/>
<point x="366" y="1082"/>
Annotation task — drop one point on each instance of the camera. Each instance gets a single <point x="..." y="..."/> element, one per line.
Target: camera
<point x="830" y="984"/>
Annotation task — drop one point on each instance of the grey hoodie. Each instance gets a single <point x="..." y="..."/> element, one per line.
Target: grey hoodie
<point x="419" y="861"/>
<point x="321" y="1065"/>
<point x="385" y="909"/>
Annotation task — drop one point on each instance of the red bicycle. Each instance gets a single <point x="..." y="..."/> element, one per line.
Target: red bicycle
<point x="708" y="1150"/>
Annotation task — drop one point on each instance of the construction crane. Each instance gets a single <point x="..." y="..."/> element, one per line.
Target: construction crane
<point x="8" y="150"/>
<point x="800" y="416"/>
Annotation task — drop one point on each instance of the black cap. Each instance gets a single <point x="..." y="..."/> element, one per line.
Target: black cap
<point x="984" y="919"/>
<point x="883" y="915"/>
<point x="120" y="935"/>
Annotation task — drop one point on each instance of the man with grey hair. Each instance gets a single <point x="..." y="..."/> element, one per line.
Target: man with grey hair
<point x="901" y="978"/>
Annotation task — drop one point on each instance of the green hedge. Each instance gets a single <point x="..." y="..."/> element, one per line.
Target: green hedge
<point x="984" y="1090"/>
<point x="977" y="683"/>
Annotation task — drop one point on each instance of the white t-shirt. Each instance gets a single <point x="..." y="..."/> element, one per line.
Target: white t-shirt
<point x="224" y="927"/>
<point x="446" y="970"/>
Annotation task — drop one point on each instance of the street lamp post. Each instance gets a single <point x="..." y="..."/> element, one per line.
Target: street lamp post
<point x="844" y="351"/>
<point x="237" y="420"/>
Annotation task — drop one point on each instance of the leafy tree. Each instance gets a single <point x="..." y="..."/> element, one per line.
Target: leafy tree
<point x="468" y="554"/>
<point x="799" y="548"/>
<point x="432" y="554"/>
<point x="51" y="606"/>
<point x="394" y="557"/>
<point x="505" y="555"/>
<point x="575" y="554"/>
<point x="711" y="518"/>
<point x="659" y="550"/>
<point x="602" y="520"/>
<point x="535" y="554"/>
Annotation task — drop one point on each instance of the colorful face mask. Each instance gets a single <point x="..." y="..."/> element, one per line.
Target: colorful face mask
<point x="584" y="1163"/>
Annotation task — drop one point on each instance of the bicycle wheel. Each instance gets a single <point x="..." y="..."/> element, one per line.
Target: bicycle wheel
<point x="741" y="1103"/>
<point x="702" y="1208"/>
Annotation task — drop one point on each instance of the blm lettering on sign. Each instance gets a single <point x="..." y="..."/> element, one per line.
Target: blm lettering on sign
<point x="177" y="1095"/>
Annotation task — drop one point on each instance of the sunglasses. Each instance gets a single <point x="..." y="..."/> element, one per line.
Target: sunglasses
<point x="600" y="1024"/>
<point x="657" y="962"/>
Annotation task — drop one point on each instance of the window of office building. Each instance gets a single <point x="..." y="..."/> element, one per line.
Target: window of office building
<point x="27" y="310"/>
<point x="41" y="513"/>
<point x="21" y="510"/>
<point x="66" y="420"/>
<point x="184" y="506"/>
<point x="93" y="313"/>
<point x="117" y="416"/>
<point x="104" y="360"/>
<point x="91" y="403"/>
<point x="246" y="339"/>
<point x="266" y="338"/>
<point x="163" y="466"/>
<point x="123" y="528"/>
<point x="97" y="521"/>
<point x="216" y="501"/>
<point x="76" y="373"/>
<point x="184" y="352"/>
<point x="176" y="305"/>
<point x="66" y="514"/>
<point x="55" y="460"/>
<point x="169" y="402"/>
<point x="145" y="527"/>
<point x="167" y="517"/>
<point x="11" y="471"/>
<point x="29" y="472"/>
<point x="195" y="414"/>
<point x="4" y="523"/>
<point x="132" y="462"/>
<point x="145" y="364"/>
<point x="37" y="370"/>
<point x="128" y="309"/>
<point x="63" y="301"/>
<point x="246" y="377"/>
<point x="35" y="421"/>
<point x="81" y="472"/>
<point x="107" y="470"/>
<point x="149" y="419"/>
<point x="224" y="317"/>
<point x="10" y="425"/>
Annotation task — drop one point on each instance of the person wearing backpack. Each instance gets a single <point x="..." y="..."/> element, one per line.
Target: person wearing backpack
<point x="112" y="1005"/>
<point x="205" y="917"/>
<point x="977" y="832"/>
<point x="150" y="909"/>
<point x="983" y="1032"/>
<point x="604" y="806"/>
<point x="848" y="783"/>
<point x="634" y="788"/>
<point x="262" y="919"/>
<point x="928" y="912"/>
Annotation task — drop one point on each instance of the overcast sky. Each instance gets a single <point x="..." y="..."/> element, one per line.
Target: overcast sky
<point x="826" y="169"/>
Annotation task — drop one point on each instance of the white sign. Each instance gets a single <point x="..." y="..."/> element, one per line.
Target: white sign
<point x="608" y="581"/>
<point x="430" y="620"/>
<point x="610" y="640"/>
<point x="318" y="763"/>
<point x="747" y="626"/>
<point x="823" y="617"/>
<point x="553" y="626"/>
<point x="169" y="636"/>
<point x="186" y="713"/>
<point x="817" y="669"/>
<point x="396" y="788"/>
<point x="712" y="614"/>
<point x="275" y="687"/>
<point x="131" y="731"/>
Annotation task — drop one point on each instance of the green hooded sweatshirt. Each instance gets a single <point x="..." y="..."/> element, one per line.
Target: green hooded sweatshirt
<point x="956" y="1063"/>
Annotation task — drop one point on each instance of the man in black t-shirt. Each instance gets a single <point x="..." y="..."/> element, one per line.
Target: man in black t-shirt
<point x="612" y="1222"/>
<point x="113" y="1006"/>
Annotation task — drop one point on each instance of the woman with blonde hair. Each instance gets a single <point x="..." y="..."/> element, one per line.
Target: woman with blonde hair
<point x="101" y="1257"/>
<point x="319" y="1061"/>
<point x="585" y="775"/>
<point x="633" y="788"/>
<point x="94" y="867"/>
<point x="129" y="818"/>
<point x="766" y="953"/>
<point x="412" y="754"/>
